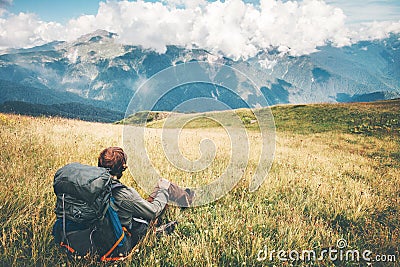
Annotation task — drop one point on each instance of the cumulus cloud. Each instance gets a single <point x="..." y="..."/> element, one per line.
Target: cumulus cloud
<point x="232" y="28"/>
<point x="27" y="30"/>
<point x="359" y="11"/>
<point x="375" y="30"/>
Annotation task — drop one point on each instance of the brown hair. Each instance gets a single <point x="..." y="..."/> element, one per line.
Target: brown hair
<point x="114" y="159"/>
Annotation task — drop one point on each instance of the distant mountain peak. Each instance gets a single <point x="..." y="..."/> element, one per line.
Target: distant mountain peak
<point x="96" y="36"/>
<point x="92" y="47"/>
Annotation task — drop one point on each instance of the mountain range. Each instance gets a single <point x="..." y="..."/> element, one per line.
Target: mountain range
<point x="95" y="72"/>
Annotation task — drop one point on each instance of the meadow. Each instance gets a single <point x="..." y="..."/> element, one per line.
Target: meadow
<point x="335" y="176"/>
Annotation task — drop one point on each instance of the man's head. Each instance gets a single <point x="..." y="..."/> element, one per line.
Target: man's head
<point x="114" y="159"/>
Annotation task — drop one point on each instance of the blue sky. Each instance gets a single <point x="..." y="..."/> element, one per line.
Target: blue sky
<point x="61" y="11"/>
<point x="56" y="10"/>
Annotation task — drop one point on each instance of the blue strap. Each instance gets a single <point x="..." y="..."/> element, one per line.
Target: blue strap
<point x="117" y="227"/>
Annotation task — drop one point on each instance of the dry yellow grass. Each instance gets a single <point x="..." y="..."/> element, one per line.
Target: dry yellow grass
<point x="322" y="187"/>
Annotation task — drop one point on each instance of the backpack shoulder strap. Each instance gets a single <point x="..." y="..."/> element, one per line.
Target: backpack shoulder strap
<point x="116" y="185"/>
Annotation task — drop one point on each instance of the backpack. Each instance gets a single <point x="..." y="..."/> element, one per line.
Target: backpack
<point x="86" y="222"/>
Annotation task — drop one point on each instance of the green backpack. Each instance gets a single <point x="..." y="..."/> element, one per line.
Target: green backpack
<point x="86" y="223"/>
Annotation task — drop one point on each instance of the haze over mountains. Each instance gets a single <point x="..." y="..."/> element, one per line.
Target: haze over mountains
<point x="98" y="74"/>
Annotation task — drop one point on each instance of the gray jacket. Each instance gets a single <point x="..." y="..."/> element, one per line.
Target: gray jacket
<point x="129" y="204"/>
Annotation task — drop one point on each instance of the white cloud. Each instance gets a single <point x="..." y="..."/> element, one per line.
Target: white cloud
<point x="359" y="11"/>
<point x="232" y="28"/>
<point x="375" y="30"/>
<point x="26" y="30"/>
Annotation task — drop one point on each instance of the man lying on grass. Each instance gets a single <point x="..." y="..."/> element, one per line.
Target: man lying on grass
<point x="97" y="214"/>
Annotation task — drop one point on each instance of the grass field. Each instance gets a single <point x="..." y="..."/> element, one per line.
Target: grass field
<point x="335" y="175"/>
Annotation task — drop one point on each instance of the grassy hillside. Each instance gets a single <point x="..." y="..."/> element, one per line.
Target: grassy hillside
<point x="335" y="175"/>
<point x="372" y="118"/>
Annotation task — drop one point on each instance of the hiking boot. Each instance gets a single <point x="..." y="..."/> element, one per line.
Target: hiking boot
<point x="188" y="199"/>
<point x="166" y="229"/>
<point x="182" y="197"/>
<point x="191" y="195"/>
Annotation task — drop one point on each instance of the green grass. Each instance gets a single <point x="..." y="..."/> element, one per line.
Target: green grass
<point x="375" y="118"/>
<point x="144" y="117"/>
<point x="327" y="182"/>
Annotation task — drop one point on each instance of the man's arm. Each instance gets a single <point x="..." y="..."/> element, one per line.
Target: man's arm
<point x="130" y="202"/>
